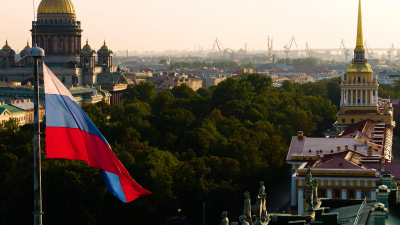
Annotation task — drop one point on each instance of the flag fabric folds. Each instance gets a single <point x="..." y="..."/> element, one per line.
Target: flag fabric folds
<point x="70" y="134"/>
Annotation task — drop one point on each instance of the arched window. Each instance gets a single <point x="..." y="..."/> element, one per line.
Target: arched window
<point x="55" y="21"/>
<point x="51" y="21"/>
<point x="46" y="21"/>
<point x="69" y="21"/>
<point x="60" y="21"/>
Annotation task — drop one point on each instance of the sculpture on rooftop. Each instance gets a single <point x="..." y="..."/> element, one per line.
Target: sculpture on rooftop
<point x="242" y="220"/>
<point x="310" y="193"/>
<point x="260" y="208"/>
<point x="386" y="108"/>
<point x="247" y="208"/>
<point x="225" y="220"/>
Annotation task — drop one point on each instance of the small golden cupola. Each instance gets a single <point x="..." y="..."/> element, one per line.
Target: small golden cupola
<point x="6" y="47"/>
<point x="104" y="46"/>
<point x="87" y="46"/>
<point x="27" y="46"/>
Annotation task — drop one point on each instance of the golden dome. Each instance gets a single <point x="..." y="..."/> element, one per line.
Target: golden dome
<point x="6" y="47"/>
<point x="56" y="6"/>
<point x="27" y="46"/>
<point x="87" y="46"/>
<point x="359" y="68"/>
<point x="104" y="46"/>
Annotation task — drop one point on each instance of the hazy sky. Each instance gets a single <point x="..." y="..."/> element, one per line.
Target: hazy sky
<point x="182" y="24"/>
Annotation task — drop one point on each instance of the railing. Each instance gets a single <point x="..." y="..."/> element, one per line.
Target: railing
<point x="362" y="207"/>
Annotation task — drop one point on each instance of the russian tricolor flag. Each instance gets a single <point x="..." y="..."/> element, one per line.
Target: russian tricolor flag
<point x="71" y="135"/>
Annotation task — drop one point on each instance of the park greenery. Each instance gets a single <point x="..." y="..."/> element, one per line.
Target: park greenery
<point x="186" y="147"/>
<point x="299" y="62"/>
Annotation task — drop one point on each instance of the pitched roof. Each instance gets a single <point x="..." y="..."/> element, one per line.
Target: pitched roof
<point x="111" y="78"/>
<point x="12" y="109"/>
<point x="307" y="146"/>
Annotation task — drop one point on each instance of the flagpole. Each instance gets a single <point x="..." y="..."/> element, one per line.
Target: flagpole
<point x="36" y="53"/>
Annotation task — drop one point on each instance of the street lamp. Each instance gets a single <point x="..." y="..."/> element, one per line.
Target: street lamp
<point x="37" y="53"/>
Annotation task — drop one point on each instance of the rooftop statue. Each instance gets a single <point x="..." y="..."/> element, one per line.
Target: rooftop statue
<point x="247" y="208"/>
<point x="242" y="220"/>
<point x="310" y="193"/>
<point x="225" y="220"/>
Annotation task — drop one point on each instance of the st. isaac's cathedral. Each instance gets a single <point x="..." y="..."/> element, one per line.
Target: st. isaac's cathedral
<point x="59" y="33"/>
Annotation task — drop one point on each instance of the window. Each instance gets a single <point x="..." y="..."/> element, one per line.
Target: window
<point x="337" y="194"/>
<point x="343" y="120"/>
<point x="322" y="193"/>
<point x="352" y="120"/>
<point x="359" y="79"/>
<point x="351" y="194"/>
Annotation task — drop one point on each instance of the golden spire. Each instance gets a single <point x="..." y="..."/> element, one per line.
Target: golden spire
<point x="359" y="44"/>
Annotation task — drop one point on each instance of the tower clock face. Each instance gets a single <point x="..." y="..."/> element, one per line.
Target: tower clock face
<point x="358" y="69"/>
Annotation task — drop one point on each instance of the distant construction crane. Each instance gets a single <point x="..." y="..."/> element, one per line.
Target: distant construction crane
<point x="390" y="52"/>
<point x="346" y="51"/>
<point x="288" y="46"/>
<point x="369" y="51"/>
<point x="270" y="46"/>
<point x="309" y="52"/>
<point x="223" y="51"/>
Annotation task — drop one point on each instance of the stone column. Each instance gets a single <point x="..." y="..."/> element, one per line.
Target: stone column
<point x="373" y="195"/>
<point x="66" y="39"/>
<point x="347" y="97"/>
<point x="358" y="194"/>
<point x="329" y="193"/>
<point x="300" y="208"/>
<point x="341" y="97"/>
<point x="366" y="96"/>
<point x="293" y="191"/>
<point x="344" y="194"/>
<point x="74" y="46"/>
<point x="376" y="96"/>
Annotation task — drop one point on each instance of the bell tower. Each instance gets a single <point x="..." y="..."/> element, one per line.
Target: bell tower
<point x="359" y="90"/>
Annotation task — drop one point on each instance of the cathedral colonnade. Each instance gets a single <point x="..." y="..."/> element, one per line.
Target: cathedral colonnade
<point x="63" y="45"/>
<point x="359" y="97"/>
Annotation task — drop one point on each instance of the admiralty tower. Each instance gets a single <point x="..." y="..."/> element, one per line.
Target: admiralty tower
<point x="57" y="31"/>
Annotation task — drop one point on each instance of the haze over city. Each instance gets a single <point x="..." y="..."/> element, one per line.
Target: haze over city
<point x="177" y="24"/>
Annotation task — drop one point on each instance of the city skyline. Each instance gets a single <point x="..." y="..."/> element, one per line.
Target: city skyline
<point x="179" y="25"/>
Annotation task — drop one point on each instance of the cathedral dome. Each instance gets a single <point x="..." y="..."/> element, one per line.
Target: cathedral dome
<point x="6" y="47"/>
<point x="87" y="46"/>
<point x="104" y="47"/>
<point x="27" y="46"/>
<point x="56" y="6"/>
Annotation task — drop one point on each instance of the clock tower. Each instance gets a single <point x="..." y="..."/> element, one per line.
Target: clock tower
<point x="359" y="90"/>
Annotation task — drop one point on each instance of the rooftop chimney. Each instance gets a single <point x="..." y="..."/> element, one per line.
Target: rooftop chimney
<point x="300" y="135"/>
<point x="346" y="147"/>
<point x="338" y="149"/>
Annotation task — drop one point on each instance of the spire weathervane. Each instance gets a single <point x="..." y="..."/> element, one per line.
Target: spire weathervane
<point x="359" y="51"/>
<point x="359" y="44"/>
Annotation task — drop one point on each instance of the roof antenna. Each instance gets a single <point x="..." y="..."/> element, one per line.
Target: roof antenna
<point x="34" y="23"/>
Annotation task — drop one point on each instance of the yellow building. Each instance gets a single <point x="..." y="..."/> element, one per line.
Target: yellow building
<point x="351" y="165"/>
<point x="359" y="91"/>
